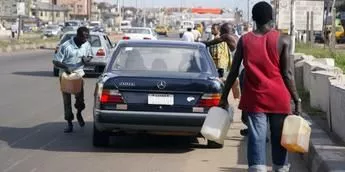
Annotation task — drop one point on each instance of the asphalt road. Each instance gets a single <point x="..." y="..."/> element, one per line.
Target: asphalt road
<point x="32" y="138"/>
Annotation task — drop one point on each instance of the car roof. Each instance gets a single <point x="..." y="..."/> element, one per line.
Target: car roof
<point x="160" y="43"/>
<point x="138" y="28"/>
<point x="91" y="33"/>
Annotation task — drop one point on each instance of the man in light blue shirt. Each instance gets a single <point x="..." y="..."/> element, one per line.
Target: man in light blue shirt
<point x="70" y="59"/>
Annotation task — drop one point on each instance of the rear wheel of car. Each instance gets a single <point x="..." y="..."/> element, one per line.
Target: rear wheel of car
<point x="100" y="139"/>
<point x="56" y="71"/>
<point x="212" y="144"/>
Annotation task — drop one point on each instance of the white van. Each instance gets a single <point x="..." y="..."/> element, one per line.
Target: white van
<point x="125" y="24"/>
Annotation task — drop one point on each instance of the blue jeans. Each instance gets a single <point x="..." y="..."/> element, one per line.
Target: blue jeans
<point x="257" y="133"/>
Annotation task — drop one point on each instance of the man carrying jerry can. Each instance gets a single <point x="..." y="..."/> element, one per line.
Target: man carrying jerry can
<point x="70" y="61"/>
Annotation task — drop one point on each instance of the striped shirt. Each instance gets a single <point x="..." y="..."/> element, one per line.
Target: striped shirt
<point x="71" y="55"/>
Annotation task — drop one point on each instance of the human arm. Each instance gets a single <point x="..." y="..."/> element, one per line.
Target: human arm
<point x="286" y="66"/>
<point x="229" y="39"/>
<point x="234" y="72"/>
<point x="58" y="59"/>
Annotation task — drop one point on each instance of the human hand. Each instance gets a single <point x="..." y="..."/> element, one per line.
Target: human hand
<point x="298" y="108"/>
<point x="223" y="104"/>
<point x="86" y="59"/>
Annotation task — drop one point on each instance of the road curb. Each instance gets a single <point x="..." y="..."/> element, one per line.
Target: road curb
<point x="324" y="154"/>
<point x="16" y="48"/>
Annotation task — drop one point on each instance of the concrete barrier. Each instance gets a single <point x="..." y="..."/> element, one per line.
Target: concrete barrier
<point x="299" y="60"/>
<point x="319" y="90"/>
<point x="312" y="66"/>
<point x="337" y="106"/>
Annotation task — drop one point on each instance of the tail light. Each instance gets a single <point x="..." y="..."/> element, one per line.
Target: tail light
<point x="111" y="96"/>
<point x="126" y="38"/>
<point x="56" y="49"/>
<point x="146" y="38"/>
<point x="209" y="100"/>
<point x="100" y="52"/>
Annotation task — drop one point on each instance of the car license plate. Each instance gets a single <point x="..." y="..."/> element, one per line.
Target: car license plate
<point x="89" y="68"/>
<point x="161" y="99"/>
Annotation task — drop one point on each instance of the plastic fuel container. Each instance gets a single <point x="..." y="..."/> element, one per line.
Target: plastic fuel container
<point x="71" y="83"/>
<point x="296" y="134"/>
<point x="217" y="124"/>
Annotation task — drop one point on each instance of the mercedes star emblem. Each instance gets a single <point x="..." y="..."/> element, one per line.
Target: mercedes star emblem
<point x="161" y="84"/>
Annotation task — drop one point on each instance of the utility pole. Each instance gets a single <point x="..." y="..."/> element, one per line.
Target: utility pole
<point x="248" y="13"/>
<point x="292" y="27"/>
<point x="332" y="39"/>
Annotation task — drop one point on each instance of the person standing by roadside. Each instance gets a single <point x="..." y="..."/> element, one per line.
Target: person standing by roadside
<point x="268" y="88"/>
<point x="220" y="53"/>
<point x="188" y="35"/>
<point x="14" y="30"/>
<point x="196" y="34"/>
<point x="70" y="59"/>
<point x="226" y="37"/>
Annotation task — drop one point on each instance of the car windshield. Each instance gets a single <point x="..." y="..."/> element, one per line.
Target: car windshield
<point x="94" y="24"/>
<point x="136" y="31"/>
<point x="94" y="40"/>
<point x="175" y="59"/>
<point x="52" y="27"/>
<point x="71" y="24"/>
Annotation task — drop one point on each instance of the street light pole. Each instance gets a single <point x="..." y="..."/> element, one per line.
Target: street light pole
<point x="292" y="27"/>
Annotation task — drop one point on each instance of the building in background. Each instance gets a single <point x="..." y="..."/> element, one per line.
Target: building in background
<point x="78" y="9"/>
<point x="49" y="13"/>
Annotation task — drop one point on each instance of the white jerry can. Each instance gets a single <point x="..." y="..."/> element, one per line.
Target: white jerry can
<point x="217" y="124"/>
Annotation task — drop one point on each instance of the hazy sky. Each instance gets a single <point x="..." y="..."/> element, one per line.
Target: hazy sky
<point x="242" y="4"/>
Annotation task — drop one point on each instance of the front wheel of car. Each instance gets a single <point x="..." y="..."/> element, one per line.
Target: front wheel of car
<point x="100" y="139"/>
<point x="213" y="144"/>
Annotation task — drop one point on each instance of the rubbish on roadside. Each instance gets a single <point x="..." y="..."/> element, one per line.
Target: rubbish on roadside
<point x="296" y="134"/>
<point x="71" y="83"/>
<point x="217" y="124"/>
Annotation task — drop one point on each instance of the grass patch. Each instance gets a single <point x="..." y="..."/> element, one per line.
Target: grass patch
<point x="305" y="96"/>
<point x="320" y="52"/>
<point x="6" y="43"/>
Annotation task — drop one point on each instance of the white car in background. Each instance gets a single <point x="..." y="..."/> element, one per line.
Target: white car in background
<point x="139" y="33"/>
<point x="102" y="50"/>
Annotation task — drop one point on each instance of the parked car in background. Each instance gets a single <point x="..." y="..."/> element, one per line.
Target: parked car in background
<point x="155" y="87"/>
<point x="75" y="24"/>
<point x="139" y="33"/>
<point x="102" y="49"/>
<point x="161" y="30"/>
<point x="52" y="30"/>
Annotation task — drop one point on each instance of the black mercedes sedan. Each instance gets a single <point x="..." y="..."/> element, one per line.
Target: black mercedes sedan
<point x="155" y="87"/>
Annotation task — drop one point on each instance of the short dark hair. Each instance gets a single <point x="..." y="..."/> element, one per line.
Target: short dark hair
<point x="216" y="25"/>
<point x="262" y="13"/>
<point x="82" y="29"/>
<point x="226" y="28"/>
<point x="189" y="29"/>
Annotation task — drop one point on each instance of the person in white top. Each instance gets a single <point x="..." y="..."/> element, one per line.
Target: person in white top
<point x="196" y="34"/>
<point x="188" y="36"/>
<point x="14" y="30"/>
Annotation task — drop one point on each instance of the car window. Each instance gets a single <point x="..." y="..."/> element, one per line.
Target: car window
<point x="94" y="40"/>
<point x="107" y="42"/>
<point x="175" y="59"/>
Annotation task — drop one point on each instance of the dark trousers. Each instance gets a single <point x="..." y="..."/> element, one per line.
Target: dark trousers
<point x="67" y="102"/>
